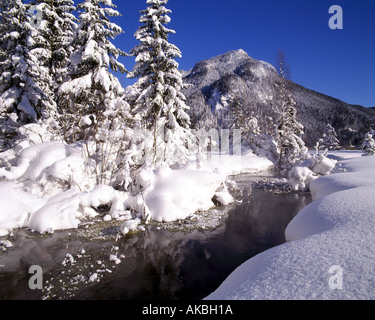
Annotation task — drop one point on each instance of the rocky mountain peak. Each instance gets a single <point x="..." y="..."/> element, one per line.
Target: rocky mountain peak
<point x="216" y="83"/>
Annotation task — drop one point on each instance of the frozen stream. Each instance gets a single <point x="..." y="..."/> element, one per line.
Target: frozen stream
<point x="182" y="263"/>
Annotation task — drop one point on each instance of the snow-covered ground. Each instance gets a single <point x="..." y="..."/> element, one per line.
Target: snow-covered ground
<point x="46" y="186"/>
<point x="329" y="253"/>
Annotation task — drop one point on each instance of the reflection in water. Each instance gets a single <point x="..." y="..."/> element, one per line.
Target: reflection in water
<point x="156" y="264"/>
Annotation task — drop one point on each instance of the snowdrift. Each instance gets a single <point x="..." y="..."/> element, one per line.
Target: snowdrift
<point x="304" y="173"/>
<point x="330" y="253"/>
<point x="48" y="186"/>
<point x="175" y="194"/>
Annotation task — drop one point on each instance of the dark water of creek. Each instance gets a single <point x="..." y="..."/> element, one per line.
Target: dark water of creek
<point x="156" y="264"/>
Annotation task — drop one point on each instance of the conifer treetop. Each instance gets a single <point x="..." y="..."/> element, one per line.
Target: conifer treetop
<point x="96" y="27"/>
<point x="156" y="98"/>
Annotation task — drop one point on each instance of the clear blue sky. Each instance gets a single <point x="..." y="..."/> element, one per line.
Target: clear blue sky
<point x="339" y="63"/>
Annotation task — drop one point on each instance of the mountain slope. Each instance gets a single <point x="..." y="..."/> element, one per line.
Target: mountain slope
<point x="219" y="83"/>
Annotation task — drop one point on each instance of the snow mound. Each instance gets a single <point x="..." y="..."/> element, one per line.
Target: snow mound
<point x="16" y="206"/>
<point x="43" y="158"/>
<point x="303" y="174"/>
<point x="335" y="232"/>
<point x="47" y="187"/>
<point x="358" y="173"/>
<point x="300" y="178"/>
<point x="176" y="194"/>
<point x="59" y="212"/>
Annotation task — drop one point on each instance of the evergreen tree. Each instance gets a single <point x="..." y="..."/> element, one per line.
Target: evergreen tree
<point x="62" y="24"/>
<point x="90" y="88"/>
<point x="42" y="15"/>
<point x="242" y="117"/>
<point x="329" y="140"/>
<point x="21" y="98"/>
<point x="371" y="126"/>
<point x="156" y="98"/>
<point x="53" y="23"/>
<point x="91" y="99"/>
<point x="292" y="148"/>
<point x="368" y="145"/>
<point x="4" y="27"/>
<point x="289" y="131"/>
<point x="29" y="35"/>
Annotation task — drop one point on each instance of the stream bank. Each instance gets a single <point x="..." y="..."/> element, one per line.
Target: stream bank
<point x="162" y="262"/>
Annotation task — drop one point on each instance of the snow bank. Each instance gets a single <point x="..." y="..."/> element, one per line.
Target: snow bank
<point x="48" y="186"/>
<point x="16" y="206"/>
<point x="333" y="234"/>
<point x="302" y="175"/>
<point x="345" y="154"/>
<point x="43" y="158"/>
<point x="237" y="164"/>
<point x="176" y="194"/>
<point x="58" y="213"/>
<point x="300" y="178"/>
<point x="49" y="213"/>
<point x="358" y="173"/>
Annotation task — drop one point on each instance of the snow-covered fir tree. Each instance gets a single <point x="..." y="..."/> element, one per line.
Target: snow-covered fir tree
<point x="368" y="146"/>
<point x="43" y="19"/>
<point x="291" y="147"/>
<point x="35" y="41"/>
<point x="289" y="131"/>
<point x="4" y="7"/>
<point x="242" y="117"/>
<point x="329" y="139"/>
<point x="15" y="78"/>
<point x="245" y="119"/>
<point x="156" y="98"/>
<point x="86" y="93"/>
<point x="91" y="100"/>
<point x="62" y="23"/>
<point x="22" y="100"/>
<point x="55" y="24"/>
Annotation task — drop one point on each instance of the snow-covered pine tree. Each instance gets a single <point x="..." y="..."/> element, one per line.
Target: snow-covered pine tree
<point x="62" y="24"/>
<point x="368" y="146"/>
<point x="56" y="30"/>
<point x="43" y="20"/>
<point x="21" y="98"/>
<point x="156" y="98"/>
<point x="4" y="7"/>
<point x="292" y="149"/>
<point x="83" y="96"/>
<point x="289" y="131"/>
<point x="33" y="40"/>
<point x="329" y="139"/>
<point x="91" y="100"/>
<point x="53" y="23"/>
<point x="371" y="127"/>
<point x="243" y="117"/>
